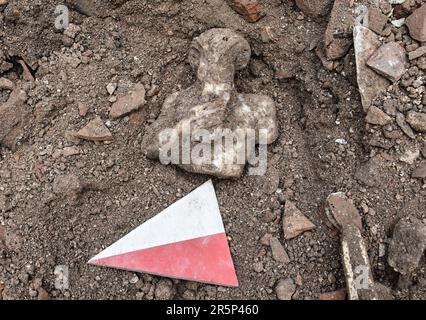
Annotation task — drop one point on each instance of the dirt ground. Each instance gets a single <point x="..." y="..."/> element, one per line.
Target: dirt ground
<point x="127" y="42"/>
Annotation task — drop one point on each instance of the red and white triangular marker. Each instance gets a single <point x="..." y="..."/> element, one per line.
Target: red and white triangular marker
<point x="185" y="241"/>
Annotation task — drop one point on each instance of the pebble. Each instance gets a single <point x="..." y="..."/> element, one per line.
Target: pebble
<point x="95" y="130"/>
<point x="420" y="172"/>
<point x="335" y="295"/>
<point x="417" y="53"/>
<point x="6" y="84"/>
<point x="377" y="117"/>
<point x="417" y="121"/>
<point x="285" y="289"/>
<point x="278" y="252"/>
<point x="251" y="10"/>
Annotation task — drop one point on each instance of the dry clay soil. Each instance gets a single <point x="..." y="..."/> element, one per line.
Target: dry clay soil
<point x="127" y="42"/>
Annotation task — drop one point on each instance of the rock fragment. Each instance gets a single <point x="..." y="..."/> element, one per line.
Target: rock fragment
<point x="376" y="20"/>
<point x="370" y="84"/>
<point x="278" y="252"/>
<point x="68" y="186"/>
<point x="164" y="290"/>
<point x="420" y="172"/>
<point x="335" y="295"/>
<point x="285" y="289"/>
<point x="294" y="222"/>
<point x="83" y="109"/>
<point x="413" y="55"/>
<point x="95" y="130"/>
<point x="128" y="103"/>
<point x="251" y="10"/>
<point x="26" y="73"/>
<point x="417" y="121"/>
<point x="6" y="84"/>
<point x="341" y="211"/>
<point x="377" y="117"/>
<point x="14" y="116"/>
<point x="400" y="121"/>
<point x="416" y="24"/>
<point x="407" y="245"/>
<point x="389" y="60"/>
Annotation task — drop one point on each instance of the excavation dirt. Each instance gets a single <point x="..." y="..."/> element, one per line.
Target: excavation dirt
<point x="66" y="196"/>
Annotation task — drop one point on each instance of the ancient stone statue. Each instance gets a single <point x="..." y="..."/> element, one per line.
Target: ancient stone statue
<point x="212" y="107"/>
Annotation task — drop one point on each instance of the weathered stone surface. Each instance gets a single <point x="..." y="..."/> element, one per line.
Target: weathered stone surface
<point x="95" y="130"/>
<point x="370" y="84"/>
<point x="341" y="211"/>
<point x="251" y="10"/>
<point x="68" y="186"/>
<point x="14" y="115"/>
<point x="373" y="172"/>
<point x="408" y="245"/>
<point x="294" y="222"/>
<point x="278" y="252"/>
<point x="315" y="8"/>
<point x="416" y="120"/>
<point x="420" y="171"/>
<point x="285" y="289"/>
<point x="212" y="104"/>
<point x="129" y="103"/>
<point x="416" y="23"/>
<point x="389" y="60"/>
<point x="377" y="117"/>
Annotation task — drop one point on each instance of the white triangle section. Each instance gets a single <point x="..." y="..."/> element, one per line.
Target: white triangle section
<point x="195" y="215"/>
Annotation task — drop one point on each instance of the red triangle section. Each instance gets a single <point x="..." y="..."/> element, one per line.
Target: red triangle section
<point x="206" y="259"/>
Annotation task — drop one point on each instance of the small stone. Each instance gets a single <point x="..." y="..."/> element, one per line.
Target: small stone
<point x="410" y="156"/>
<point x="43" y="294"/>
<point x="72" y="30"/>
<point x="340" y="211"/>
<point x="377" y="117"/>
<point x="164" y="290"/>
<point x="26" y="73"/>
<point x="285" y="289"/>
<point x="129" y="103"/>
<point x="6" y="84"/>
<point x="376" y="20"/>
<point x="294" y="222"/>
<point x="68" y="186"/>
<point x="417" y="121"/>
<point x="83" y="108"/>
<point x="389" y="60"/>
<point x="111" y="87"/>
<point x="420" y="172"/>
<point x="335" y="295"/>
<point x="400" y="120"/>
<point x="417" y="53"/>
<point x="416" y="23"/>
<point x="265" y="240"/>
<point x="278" y="252"/>
<point x="95" y="130"/>
<point x="251" y="10"/>
<point x="407" y="245"/>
